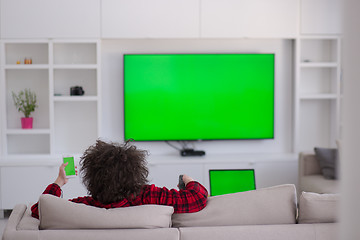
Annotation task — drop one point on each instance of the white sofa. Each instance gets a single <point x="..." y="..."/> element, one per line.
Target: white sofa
<point x="267" y="214"/>
<point x="311" y="178"/>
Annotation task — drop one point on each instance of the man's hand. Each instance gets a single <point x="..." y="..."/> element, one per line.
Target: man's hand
<point x="187" y="179"/>
<point x="62" y="179"/>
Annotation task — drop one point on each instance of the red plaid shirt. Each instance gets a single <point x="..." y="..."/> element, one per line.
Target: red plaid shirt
<point x="192" y="199"/>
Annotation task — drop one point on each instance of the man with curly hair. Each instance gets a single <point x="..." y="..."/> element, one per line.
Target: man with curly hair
<point x="115" y="175"/>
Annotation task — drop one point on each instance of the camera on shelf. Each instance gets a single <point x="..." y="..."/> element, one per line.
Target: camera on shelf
<point x="76" y="91"/>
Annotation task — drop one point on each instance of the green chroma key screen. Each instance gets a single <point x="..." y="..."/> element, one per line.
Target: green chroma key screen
<point x="231" y="181"/>
<point x="198" y="96"/>
<point x="70" y="168"/>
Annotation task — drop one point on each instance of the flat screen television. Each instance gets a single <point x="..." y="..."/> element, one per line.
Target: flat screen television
<point x="198" y="96"/>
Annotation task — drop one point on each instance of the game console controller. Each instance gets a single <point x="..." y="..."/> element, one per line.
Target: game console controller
<point x="181" y="182"/>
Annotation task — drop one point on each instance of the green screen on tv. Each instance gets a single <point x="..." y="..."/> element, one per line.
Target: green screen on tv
<point x="198" y="96"/>
<point x="231" y="181"/>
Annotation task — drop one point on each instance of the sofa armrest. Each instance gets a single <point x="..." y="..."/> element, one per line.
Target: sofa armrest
<point x="11" y="232"/>
<point x="308" y="165"/>
<point x="15" y="217"/>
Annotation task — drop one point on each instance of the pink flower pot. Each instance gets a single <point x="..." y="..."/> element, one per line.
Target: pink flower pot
<point x="27" y="123"/>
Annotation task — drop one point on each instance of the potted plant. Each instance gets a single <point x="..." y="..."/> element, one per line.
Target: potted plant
<point x="25" y="102"/>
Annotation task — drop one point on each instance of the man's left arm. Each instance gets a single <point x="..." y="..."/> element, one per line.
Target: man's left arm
<point x="52" y="189"/>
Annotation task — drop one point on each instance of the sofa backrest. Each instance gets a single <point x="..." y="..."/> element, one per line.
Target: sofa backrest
<point x="273" y="205"/>
<point x="58" y="213"/>
<point x="308" y="164"/>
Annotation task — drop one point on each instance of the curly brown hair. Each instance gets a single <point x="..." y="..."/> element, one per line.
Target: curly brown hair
<point x="112" y="172"/>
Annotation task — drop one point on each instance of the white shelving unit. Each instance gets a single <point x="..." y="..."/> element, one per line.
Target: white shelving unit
<point x="317" y="92"/>
<point x="63" y="124"/>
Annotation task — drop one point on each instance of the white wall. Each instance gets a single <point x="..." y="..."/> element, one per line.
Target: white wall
<point x="321" y="17"/>
<point x="112" y="78"/>
<point x="350" y="162"/>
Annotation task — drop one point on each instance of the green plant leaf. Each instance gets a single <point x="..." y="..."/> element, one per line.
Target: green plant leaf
<point x="25" y="101"/>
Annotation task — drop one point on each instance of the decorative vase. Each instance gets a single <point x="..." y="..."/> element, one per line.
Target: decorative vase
<point x="27" y="123"/>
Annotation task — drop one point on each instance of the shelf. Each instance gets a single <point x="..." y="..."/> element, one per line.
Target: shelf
<point x="317" y="107"/>
<point x="27" y="131"/>
<point x="75" y="66"/>
<point x="62" y="123"/>
<point x="46" y="66"/>
<point x="28" y="144"/>
<point x="75" y="125"/>
<point x="75" y="98"/>
<point x="26" y="66"/>
<point x="319" y="37"/>
<point x="318" y="65"/>
<point x="319" y="50"/>
<point x="75" y="53"/>
<point x="318" y="96"/>
<point x="318" y="124"/>
<point x="15" y="52"/>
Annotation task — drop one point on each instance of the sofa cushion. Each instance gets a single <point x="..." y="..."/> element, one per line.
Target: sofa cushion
<point x="323" y="231"/>
<point x="274" y="205"/>
<point x="327" y="158"/>
<point x="58" y="213"/>
<point x="107" y="234"/>
<point x="318" y="208"/>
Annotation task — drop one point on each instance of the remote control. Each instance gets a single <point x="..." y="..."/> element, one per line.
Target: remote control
<point x="181" y="182"/>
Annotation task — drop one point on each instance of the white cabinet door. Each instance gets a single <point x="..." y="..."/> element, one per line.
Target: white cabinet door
<point x="24" y="185"/>
<point x="50" y="19"/>
<point x="150" y="18"/>
<point x="321" y="17"/>
<point x="249" y="18"/>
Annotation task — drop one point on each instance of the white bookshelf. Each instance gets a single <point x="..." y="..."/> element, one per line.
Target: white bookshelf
<point x="317" y="92"/>
<point x="62" y="123"/>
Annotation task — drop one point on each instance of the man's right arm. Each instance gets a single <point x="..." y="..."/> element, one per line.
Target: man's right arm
<point x="192" y="199"/>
